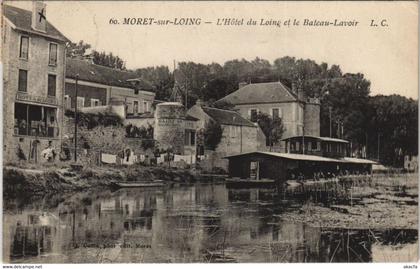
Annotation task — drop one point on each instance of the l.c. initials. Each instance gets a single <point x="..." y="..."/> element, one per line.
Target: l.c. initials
<point x="383" y="23"/>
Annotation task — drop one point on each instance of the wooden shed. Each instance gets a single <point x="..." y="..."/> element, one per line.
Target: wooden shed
<point x="284" y="166"/>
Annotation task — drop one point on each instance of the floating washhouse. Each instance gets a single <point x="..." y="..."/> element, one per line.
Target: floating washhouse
<point x="306" y="157"/>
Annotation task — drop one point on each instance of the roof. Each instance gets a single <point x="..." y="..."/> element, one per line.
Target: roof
<point x="271" y="92"/>
<point x="191" y="118"/>
<point x="322" y="138"/>
<point x="304" y="157"/>
<point x="300" y="157"/>
<point x="357" y="160"/>
<point x="147" y="115"/>
<point x="88" y="71"/>
<point x="227" y="117"/>
<point x="22" y="19"/>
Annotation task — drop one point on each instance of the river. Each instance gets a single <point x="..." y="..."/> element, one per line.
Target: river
<point x="195" y="223"/>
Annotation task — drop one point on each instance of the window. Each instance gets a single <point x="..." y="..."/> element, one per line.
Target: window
<point x="189" y="139"/>
<point x="136" y="107"/>
<point x="23" y="81"/>
<point x="34" y="120"/>
<point x="80" y="102"/>
<point x="53" y="54"/>
<point x="276" y="113"/>
<point x="146" y="106"/>
<point x="315" y="145"/>
<point x="52" y="85"/>
<point x="24" y="47"/>
<point x="253" y="114"/>
<point x="292" y="146"/>
<point x="136" y="91"/>
<point x="95" y="102"/>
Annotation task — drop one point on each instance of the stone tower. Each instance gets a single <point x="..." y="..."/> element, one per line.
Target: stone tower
<point x="169" y="126"/>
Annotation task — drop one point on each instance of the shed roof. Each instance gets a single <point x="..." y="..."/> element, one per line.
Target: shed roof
<point x="270" y="92"/>
<point x="22" y="19"/>
<point x="227" y="117"/>
<point x="322" y="138"/>
<point x="305" y="157"/>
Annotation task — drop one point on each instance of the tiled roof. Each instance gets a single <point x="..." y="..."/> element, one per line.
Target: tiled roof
<point x="271" y="92"/>
<point x="104" y="75"/>
<point x="22" y="19"/>
<point x="227" y="117"/>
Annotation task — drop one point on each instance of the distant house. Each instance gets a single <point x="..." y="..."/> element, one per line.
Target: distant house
<point x="239" y="134"/>
<point x="102" y="86"/>
<point x="33" y="56"/>
<point x="299" y="115"/>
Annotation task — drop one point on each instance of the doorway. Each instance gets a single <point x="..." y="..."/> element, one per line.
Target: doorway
<point x="254" y="171"/>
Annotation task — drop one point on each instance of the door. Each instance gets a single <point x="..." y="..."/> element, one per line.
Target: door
<point x="254" y="171"/>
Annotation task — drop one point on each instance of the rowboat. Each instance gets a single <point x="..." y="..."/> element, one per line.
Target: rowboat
<point x="249" y="183"/>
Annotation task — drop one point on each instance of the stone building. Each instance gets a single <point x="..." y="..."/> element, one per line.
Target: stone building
<point x="300" y="115"/>
<point x="239" y="134"/>
<point x="33" y="78"/>
<point x="102" y="86"/>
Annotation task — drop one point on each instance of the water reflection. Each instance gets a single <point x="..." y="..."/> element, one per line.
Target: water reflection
<point x="201" y="223"/>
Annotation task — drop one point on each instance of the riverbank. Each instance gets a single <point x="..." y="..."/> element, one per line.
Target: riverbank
<point x="378" y="202"/>
<point x="45" y="179"/>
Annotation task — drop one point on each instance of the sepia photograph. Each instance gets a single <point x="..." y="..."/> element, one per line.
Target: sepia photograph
<point x="209" y="132"/>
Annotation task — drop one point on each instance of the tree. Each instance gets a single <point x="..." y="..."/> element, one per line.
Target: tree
<point x="273" y="129"/>
<point x="108" y="59"/>
<point x="212" y="134"/>
<point x="77" y="49"/>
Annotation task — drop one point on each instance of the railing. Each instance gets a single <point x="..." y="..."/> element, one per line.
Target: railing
<point x="36" y="131"/>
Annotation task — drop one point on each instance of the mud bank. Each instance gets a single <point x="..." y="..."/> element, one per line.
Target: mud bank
<point x="26" y="181"/>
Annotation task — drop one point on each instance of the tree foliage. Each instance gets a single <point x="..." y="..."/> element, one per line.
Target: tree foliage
<point x="81" y="50"/>
<point x="272" y="128"/>
<point x="212" y="134"/>
<point x="92" y="120"/>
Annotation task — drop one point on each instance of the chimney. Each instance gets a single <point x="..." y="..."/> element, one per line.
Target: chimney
<point x="242" y="84"/>
<point x="39" y="16"/>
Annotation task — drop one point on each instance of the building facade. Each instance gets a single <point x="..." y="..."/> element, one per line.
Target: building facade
<point x="33" y="78"/>
<point x="239" y="134"/>
<point x="299" y="115"/>
<point x="103" y="86"/>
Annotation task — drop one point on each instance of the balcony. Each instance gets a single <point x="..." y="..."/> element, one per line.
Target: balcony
<point x="48" y="100"/>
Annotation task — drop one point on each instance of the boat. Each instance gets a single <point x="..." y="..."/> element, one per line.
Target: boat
<point x="249" y="183"/>
<point x="139" y="184"/>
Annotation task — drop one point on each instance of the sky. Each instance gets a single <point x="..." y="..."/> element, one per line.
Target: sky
<point x="387" y="56"/>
